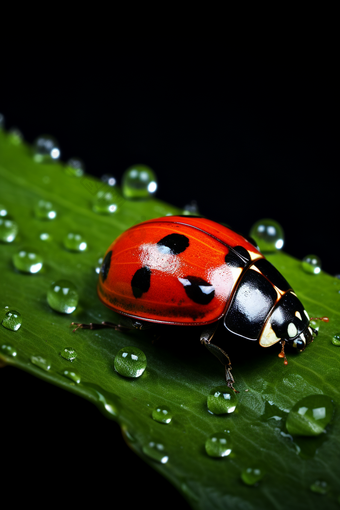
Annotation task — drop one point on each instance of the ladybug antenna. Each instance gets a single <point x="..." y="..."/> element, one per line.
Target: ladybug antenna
<point x="282" y="353"/>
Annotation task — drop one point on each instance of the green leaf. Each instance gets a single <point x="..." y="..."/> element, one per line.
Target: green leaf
<point x="180" y="373"/>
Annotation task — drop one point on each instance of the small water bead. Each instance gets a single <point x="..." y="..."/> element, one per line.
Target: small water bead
<point x="45" y="236"/>
<point x="62" y="296"/>
<point x="252" y="475"/>
<point x="99" y="265"/>
<point x="8" y="350"/>
<point x="8" y="230"/>
<point x="72" y="375"/>
<point x="75" y="167"/>
<point x="12" y="320"/>
<point x="162" y="414"/>
<point x="41" y="362"/>
<point x="311" y="264"/>
<point x="46" y="149"/>
<point x="68" y="353"/>
<point x="28" y="261"/>
<point x="108" y="179"/>
<point x="155" y="451"/>
<point x="44" y="210"/>
<point x="139" y="181"/>
<point x="222" y="400"/>
<point x="105" y="202"/>
<point x="218" y="445"/>
<point x="310" y="416"/>
<point x="15" y="136"/>
<point x="75" y="242"/>
<point x="336" y="340"/>
<point x="320" y="487"/>
<point x="130" y="362"/>
<point x="268" y="235"/>
<point x="3" y="211"/>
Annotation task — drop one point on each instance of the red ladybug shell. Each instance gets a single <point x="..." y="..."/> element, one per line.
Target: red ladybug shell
<point x="175" y="270"/>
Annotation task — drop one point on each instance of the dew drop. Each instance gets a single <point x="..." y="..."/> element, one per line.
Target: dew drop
<point x="99" y="265"/>
<point x="3" y="211"/>
<point x="41" y="362"/>
<point x="105" y="202"/>
<point x="45" y="236"/>
<point x="75" y="167"/>
<point x="12" y="320"/>
<point x="28" y="261"/>
<point x="44" y="210"/>
<point x="75" y="242"/>
<point x="15" y="136"/>
<point x="46" y="149"/>
<point x="108" y="179"/>
<point x="218" y="445"/>
<point x="8" y="350"/>
<point x="130" y="362"/>
<point x="268" y="235"/>
<point x="311" y="264"/>
<point x="139" y="181"/>
<point x="62" y="296"/>
<point x="252" y="475"/>
<point x="320" y="487"/>
<point x="336" y="340"/>
<point x="68" y="353"/>
<point x="162" y="414"/>
<point x="8" y="230"/>
<point x="72" y="375"/>
<point x="155" y="451"/>
<point x="222" y="400"/>
<point x="310" y="416"/>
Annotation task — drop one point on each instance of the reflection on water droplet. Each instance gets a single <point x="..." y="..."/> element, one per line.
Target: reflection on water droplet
<point x="105" y="202"/>
<point x="252" y="475"/>
<point x="311" y="264"/>
<point x="45" y="236"/>
<point x="139" y="181"/>
<point x="320" y="487"/>
<point x="155" y="451"/>
<point x="75" y="242"/>
<point x="41" y="362"/>
<point x="44" y="210"/>
<point x="130" y="362"/>
<point x="46" y="149"/>
<point x="3" y="211"/>
<point x="72" y="375"/>
<point x="8" y="230"/>
<point x="218" y="445"/>
<point x="99" y="265"/>
<point x="108" y="179"/>
<point x="310" y="416"/>
<point x="15" y="136"/>
<point x="62" y="296"/>
<point x="162" y="414"/>
<point x="68" y="353"/>
<point x="28" y="261"/>
<point x="222" y="400"/>
<point x="12" y="320"/>
<point x="75" y="167"/>
<point x="268" y="235"/>
<point x="8" y="350"/>
<point x="336" y="340"/>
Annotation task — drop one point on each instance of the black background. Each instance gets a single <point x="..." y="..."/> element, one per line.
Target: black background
<point x="246" y="140"/>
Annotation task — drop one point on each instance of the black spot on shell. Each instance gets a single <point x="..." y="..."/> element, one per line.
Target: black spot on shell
<point x="174" y="243"/>
<point x="104" y="270"/>
<point x="140" y="282"/>
<point x="237" y="257"/>
<point x="197" y="289"/>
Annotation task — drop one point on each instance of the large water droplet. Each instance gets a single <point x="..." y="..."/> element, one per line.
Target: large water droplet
<point x="218" y="445"/>
<point x="8" y="230"/>
<point x="162" y="414"/>
<point x="155" y="451"/>
<point x="310" y="416"/>
<point x="268" y="235"/>
<point x="72" y="375"/>
<point x="139" y="181"/>
<point x="75" y="242"/>
<point x="46" y="149"/>
<point x="68" y="353"/>
<point x="8" y="350"/>
<point x="44" y="210"/>
<point x="222" y="400"/>
<point x="12" y="320"/>
<point x="62" y="296"/>
<point x="336" y="340"/>
<point x="105" y="202"/>
<point x="28" y="261"/>
<point x="41" y="362"/>
<point x="252" y="475"/>
<point x="75" y="167"/>
<point x="130" y="362"/>
<point x="311" y="264"/>
<point x="320" y="487"/>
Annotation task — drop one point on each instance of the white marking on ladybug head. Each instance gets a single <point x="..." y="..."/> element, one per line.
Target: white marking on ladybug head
<point x="268" y="336"/>
<point x="306" y="314"/>
<point x="298" y="315"/>
<point x="310" y="330"/>
<point x="303" y="338"/>
<point x="292" y="330"/>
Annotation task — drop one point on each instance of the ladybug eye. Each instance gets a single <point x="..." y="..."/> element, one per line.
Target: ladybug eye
<point x="299" y="344"/>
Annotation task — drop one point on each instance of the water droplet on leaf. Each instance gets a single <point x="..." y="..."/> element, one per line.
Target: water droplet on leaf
<point x="75" y="242"/>
<point x="310" y="416"/>
<point x="72" y="375"/>
<point x="46" y="149"/>
<point x="155" y="451"/>
<point x="105" y="202"/>
<point x="268" y="235"/>
<point x="15" y="136"/>
<point x="62" y="296"/>
<point x="139" y="181"/>
<point x="311" y="264"/>
<point x="218" y="445"/>
<point x="68" y="353"/>
<point x="320" y="487"/>
<point x="44" y="210"/>
<point x="108" y="179"/>
<point x="222" y="400"/>
<point x="75" y="167"/>
<point x="28" y="261"/>
<point x="8" y="230"/>
<point x="252" y="475"/>
<point x="8" y="350"/>
<point x="41" y="362"/>
<point x="130" y="362"/>
<point x="336" y="340"/>
<point x="3" y="211"/>
<point x="12" y="320"/>
<point x="162" y="414"/>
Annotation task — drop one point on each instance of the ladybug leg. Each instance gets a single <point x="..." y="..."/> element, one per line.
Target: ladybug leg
<point x="220" y="354"/>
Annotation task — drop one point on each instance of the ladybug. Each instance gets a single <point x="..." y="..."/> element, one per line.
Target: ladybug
<point x="191" y="271"/>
